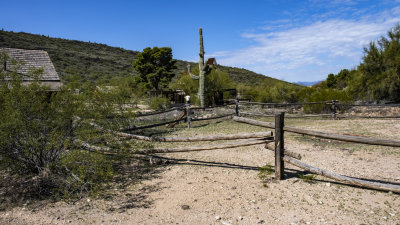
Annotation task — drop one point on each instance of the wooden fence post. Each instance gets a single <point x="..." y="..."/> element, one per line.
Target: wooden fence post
<point x="279" y="145"/>
<point x="237" y="107"/>
<point x="188" y="114"/>
<point x="333" y="109"/>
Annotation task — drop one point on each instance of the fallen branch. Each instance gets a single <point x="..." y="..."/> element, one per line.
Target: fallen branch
<point x="344" y="179"/>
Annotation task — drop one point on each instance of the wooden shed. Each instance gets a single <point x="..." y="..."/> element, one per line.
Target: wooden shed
<point x="29" y="61"/>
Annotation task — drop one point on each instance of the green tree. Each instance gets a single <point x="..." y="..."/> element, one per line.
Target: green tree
<point x="379" y="72"/>
<point x="330" y="81"/>
<point x="155" y="66"/>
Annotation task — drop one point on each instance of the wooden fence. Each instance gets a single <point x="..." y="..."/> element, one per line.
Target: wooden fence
<point x="334" y="106"/>
<point x="249" y="139"/>
<point x="276" y="144"/>
<point x="281" y="157"/>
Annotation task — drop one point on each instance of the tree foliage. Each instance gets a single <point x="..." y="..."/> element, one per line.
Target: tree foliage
<point x="377" y="78"/>
<point x="380" y="69"/>
<point x="155" y="67"/>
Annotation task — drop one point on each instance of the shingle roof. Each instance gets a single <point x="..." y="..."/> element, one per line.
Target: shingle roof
<point x="31" y="59"/>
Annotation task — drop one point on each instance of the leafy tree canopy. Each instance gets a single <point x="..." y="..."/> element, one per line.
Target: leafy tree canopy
<point x="155" y="66"/>
<point x="377" y="78"/>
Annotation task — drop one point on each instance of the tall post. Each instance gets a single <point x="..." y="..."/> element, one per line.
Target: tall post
<point x="333" y="109"/>
<point x="237" y="107"/>
<point x="279" y="145"/>
<point x="188" y="113"/>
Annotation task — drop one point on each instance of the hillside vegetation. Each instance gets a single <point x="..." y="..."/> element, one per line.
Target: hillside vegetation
<point x="376" y="78"/>
<point x="99" y="62"/>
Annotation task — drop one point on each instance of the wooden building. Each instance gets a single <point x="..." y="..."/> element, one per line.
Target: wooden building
<point x="28" y="61"/>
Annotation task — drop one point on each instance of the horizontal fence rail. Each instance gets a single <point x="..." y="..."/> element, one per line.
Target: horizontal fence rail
<point x="344" y="179"/>
<point x="187" y="139"/>
<point x="159" y="112"/>
<point x="152" y="125"/>
<point x="339" y="137"/>
<point x="107" y="150"/>
<point x="214" y="117"/>
<point x="205" y="147"/>
<point x="212" y="107"/>
<point x="285" y="104"/>
<point x="295" y="116"/>
<point x="369" y="105"/>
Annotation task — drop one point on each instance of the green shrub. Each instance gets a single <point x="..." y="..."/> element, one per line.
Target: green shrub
<point x="160" y="103"/>
<point x="83" y="172"/>
<point x="322" y="95"/>
<point x="38" y="129"/>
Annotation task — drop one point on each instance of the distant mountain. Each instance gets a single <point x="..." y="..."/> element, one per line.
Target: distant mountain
<point x="307" y="84"/>
<point x="94" y="62"/>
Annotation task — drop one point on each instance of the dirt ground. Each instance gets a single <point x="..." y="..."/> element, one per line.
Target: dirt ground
<point x="223" y="186"/>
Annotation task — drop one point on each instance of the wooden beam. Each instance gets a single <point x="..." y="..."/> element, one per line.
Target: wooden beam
<point x="107" y="150"/>
<point x="339" y="137"/>
<point x="287" y="116"/>
<point x="205" y="147"/>
<point x="271" y="146"/>
<point x="211" y="118"/>
<point x="152" y="125"/>
<point x="187" y="139"/>
<point x="344" y="179"/>
<point x="158" y="112"/>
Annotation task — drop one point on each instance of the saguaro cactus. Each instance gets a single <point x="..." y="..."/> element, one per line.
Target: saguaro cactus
<point x="204" y="70"/>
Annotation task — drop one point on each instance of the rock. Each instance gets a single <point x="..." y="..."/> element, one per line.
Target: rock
<point x="261" y="222"/>
<point x="185" y="207"/>
<point x="217" y="218"/>
<point x="240" y="217"/>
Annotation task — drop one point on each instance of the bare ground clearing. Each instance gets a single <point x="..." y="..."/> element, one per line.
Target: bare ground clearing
<point x="223" y="187"/>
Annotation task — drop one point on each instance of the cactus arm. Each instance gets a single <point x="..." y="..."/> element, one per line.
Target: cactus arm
<point x="190" y="73"/>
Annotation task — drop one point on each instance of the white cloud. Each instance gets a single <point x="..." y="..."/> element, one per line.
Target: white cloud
<point x="317" y="45"/>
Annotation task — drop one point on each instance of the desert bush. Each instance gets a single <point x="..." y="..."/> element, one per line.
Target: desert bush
<point x="160" y="103"/>
<point x="322" y="95"/>
<point x="35" y="125"/>
<point x="82" y="173"/>
<point x="38" y="129"/>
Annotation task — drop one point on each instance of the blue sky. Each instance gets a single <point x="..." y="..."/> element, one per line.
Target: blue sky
<point x="286" y="39"/>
